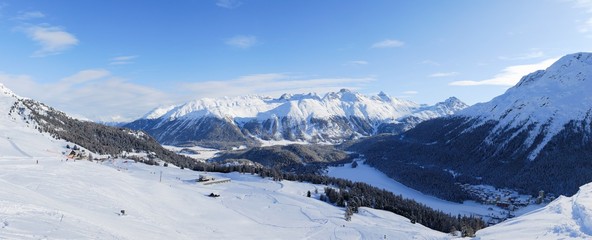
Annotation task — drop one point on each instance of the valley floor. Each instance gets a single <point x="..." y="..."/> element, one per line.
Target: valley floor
<point x="374" y="177"/>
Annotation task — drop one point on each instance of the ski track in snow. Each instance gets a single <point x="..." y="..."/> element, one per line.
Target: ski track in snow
<point x="18" y="149"/>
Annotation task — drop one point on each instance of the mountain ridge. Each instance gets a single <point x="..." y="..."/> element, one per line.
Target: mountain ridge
<point x="333" y="118"/>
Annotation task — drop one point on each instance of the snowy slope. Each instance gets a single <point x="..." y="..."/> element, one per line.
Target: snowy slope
<point x="542" y="102"/>
<point x="18" y="136"/>
<point x="302" y="117"/>
<point x="564" y="218"/>
<point x="82" y="200"/>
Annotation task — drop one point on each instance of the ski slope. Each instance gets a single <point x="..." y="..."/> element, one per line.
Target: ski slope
<point x="57" y="199"/>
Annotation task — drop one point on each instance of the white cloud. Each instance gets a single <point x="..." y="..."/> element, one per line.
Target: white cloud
<point x="30" y="15"/>
<point x="94" y="94"/>
<point x="242" y="41"/>
<point x="388" y="43"/>
<point x="230" y="4"/>
<point x="357" y="63"/>
<point x="443" y="74"/>
<point x="273" y="84"/>
<point x="585" y="26"/>
<point x="526" y="56"/>
<point x="410" y="92"/>
<point x="509" y="76"/>
<point x="53" y="40"/>
<point x="122" y="60"/>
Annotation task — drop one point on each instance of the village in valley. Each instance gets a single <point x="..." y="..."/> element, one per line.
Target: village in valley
<point x="509" y="201"/>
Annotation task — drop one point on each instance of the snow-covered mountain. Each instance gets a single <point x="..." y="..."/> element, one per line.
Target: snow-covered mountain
<point x="536" y="136"/>
<point x="542" y="103"/>
<point x="333" y="118"/>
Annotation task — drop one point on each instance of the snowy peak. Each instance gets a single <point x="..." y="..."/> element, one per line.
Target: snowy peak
<point x="7" y="92"/>
<point x="542" y="102"/>
<point x="344" y="95"/>
<point x="453" y="104"/>
<point x="158" y="112"/>
<point x="335" y="117"/>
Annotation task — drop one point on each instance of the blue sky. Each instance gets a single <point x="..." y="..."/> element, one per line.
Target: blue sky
<point x="117" y="59"/>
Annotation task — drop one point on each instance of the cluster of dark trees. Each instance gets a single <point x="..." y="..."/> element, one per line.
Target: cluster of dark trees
<point x="361" y="195"/>
<point x="296" y="158"/>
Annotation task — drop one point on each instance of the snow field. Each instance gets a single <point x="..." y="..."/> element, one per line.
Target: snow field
<point x="56" y="199"/>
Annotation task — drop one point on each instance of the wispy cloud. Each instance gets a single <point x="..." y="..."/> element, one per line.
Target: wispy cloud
<point x="230" y="4"/>
<point x="273" y="84"/>
<point x="93" y="93"/>
<point x="242" y="41"/>
<point x="29" y="15"/>
<point x="122" y="60"/>
<point x="443" y="74"/>
<point x="525" y="56"/>
<point x="53" y="40"/>
<point x="357" y="63"/>
<point x="388" y="43"/>
<point x="509" y="76"/>
<point x="585" y="25"/>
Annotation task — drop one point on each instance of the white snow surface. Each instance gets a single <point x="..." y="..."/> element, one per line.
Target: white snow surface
<point x="564" y="218"/>
<point x="546" y="98"/>
<point x="56" y="199"/>
<point x="301" y="107"/>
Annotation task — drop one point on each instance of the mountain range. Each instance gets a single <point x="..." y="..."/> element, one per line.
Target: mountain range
<point x="333" y="118"/>
<point x="535" y="136"/>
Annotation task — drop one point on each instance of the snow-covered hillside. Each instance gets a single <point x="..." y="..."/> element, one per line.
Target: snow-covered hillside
<point x="335" y="117"/>
<point x="55" y="199"/>
<point x="543" y="102"/>
<point x="18" y="136"/>
<point x="564" y="218"/>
